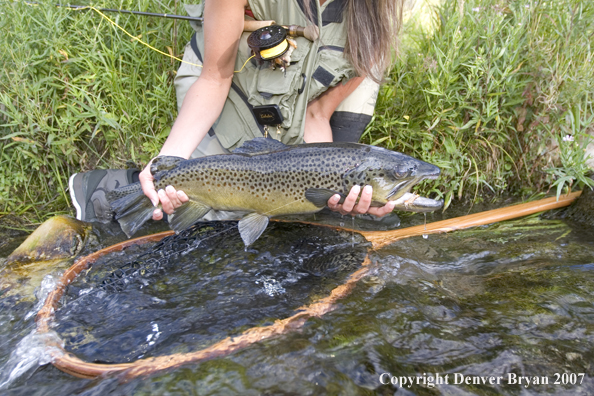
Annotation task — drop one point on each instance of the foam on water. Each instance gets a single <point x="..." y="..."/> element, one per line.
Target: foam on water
<point x="33" y="350"/>
<point x="48" y="284"/>
<point x="271" y="286"/>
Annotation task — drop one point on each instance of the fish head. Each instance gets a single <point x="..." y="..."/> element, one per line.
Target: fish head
<point x="393" y="174"/>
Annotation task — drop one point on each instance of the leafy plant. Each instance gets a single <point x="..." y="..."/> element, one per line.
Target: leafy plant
<point x="572" y="141"/>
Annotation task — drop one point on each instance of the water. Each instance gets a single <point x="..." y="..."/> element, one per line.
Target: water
<point x="513" y="300"/>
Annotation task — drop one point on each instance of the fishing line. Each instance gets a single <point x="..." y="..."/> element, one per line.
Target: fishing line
<point x="81" y="8"/>
<point x="272" y="210"/>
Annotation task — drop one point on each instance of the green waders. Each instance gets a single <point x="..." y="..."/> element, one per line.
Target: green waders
<point x="320" y="65"/>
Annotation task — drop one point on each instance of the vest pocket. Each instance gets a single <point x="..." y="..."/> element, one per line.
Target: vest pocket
<point x="275" y="82"/>
<point x="278" y="87"/>
<point x="332" y="68"/>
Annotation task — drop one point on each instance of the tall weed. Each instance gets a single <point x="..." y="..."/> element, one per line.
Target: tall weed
<point x="486" y="96"/>
<point x="76" y="93"/>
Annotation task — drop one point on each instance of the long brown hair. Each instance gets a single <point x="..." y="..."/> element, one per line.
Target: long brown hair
<point x="372" y="27"/>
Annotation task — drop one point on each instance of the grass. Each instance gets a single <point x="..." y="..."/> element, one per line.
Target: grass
<point x="77" y="94"/>
<point x="490" y="94"/>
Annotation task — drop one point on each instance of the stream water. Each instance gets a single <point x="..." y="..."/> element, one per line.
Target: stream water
<point x="502" y="309"/>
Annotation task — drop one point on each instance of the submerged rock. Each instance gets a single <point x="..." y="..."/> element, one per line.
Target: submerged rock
<point x="582" y="210"/>
<point x="48" y="248"/>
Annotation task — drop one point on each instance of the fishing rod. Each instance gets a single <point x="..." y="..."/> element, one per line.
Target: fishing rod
<point x="261" y="41"/>
<point x="309" y="32"/>
<point x="150" y="14"/>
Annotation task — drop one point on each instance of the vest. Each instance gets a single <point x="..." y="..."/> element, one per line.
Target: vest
<point x="315" y="67"/>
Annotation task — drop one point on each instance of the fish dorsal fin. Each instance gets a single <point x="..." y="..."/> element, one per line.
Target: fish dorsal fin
<point x="187" y="214"/>
<point x="259" y="146"/>
<point x="320" y="196"/>
<point x="165" y="163"/>
<point x="251" y="227"/>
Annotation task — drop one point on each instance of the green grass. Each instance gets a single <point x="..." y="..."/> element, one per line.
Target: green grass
<point x="77" y="94"/>
<point x="488" y="96"/>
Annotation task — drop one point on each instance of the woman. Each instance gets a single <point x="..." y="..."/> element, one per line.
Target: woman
<point x="342" y="66"/>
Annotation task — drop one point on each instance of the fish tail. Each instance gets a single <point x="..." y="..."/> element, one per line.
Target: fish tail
<point x="131" y="207"/>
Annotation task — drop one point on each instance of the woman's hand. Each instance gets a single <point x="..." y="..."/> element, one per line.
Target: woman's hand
<point x="352" y="207"/>
<point x="318" y="129"/>
<point x="169" y="198"/>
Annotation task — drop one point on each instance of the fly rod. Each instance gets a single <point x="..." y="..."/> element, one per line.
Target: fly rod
<point x="150" y="14"/>
<point x="309" y="32"/>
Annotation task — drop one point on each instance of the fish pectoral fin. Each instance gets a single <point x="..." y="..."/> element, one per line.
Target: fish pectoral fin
<point x="259" y="145"/>
<point x="251" y="227"/>
<point x="320" y="196"/>
<point x="186" y="215"/>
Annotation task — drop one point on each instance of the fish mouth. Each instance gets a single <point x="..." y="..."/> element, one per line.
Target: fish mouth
<point x="410" y="202"/>
<point x="397" y="188"/>
<point x="404" y="186"/>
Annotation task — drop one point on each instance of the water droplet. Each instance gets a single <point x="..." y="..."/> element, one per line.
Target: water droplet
<point x="353" y="233"/>
<point x="425" y="236"/>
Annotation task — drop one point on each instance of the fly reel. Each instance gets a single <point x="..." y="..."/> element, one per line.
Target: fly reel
<point x="273" y="43"/>
<point x="269" y="42"/>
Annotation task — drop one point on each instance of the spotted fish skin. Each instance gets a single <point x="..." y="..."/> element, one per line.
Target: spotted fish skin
<point x="266" y="178"/>
<point x="269" y="183"/>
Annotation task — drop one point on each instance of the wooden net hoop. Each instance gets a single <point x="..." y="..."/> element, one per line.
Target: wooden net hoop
<point x="69" y="363"/>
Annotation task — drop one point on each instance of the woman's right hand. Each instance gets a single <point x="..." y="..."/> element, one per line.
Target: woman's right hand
<point x="169" y="198"/>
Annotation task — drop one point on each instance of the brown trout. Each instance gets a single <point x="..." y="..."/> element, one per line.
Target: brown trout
<point x="266" y="178"/>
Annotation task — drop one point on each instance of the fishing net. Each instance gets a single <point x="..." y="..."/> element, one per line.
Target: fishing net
<point x="193" y="289"/>
<point x="321" y="256"/>
<point x="156" y="259"/>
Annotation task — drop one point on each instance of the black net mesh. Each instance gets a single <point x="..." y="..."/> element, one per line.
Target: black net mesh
<point x="161" y="255"/>
<point x="195" y="288"/>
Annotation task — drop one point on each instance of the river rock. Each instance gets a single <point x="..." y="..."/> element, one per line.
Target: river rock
<point x="60" y="237"/>
<point x="582" y="210"/>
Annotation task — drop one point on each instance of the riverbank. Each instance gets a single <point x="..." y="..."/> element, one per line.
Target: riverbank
<point x="498" y="95"/>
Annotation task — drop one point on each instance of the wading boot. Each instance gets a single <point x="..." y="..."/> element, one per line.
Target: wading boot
<point x="88" y="190"/>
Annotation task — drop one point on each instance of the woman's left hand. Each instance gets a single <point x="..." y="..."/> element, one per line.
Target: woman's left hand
<point x="352" y="207"/>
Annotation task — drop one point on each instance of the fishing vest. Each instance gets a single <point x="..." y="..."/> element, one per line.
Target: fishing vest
<point x="315" y="67"/>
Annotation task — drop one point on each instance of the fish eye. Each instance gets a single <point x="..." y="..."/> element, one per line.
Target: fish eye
<point x="401" y="174"/>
